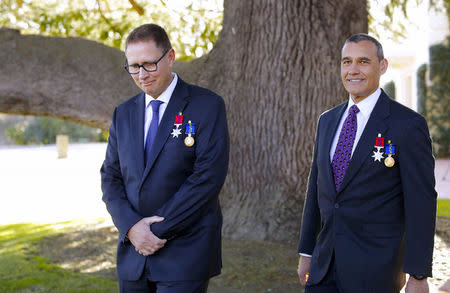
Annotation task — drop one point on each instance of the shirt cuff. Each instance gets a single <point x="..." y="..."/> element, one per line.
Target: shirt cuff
<point x="304" y="254"/>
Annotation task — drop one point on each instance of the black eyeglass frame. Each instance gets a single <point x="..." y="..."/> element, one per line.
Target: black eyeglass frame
<point x="126" y="66"/>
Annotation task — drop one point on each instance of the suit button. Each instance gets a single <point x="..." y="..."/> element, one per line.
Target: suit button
<point x="336" y="205"/>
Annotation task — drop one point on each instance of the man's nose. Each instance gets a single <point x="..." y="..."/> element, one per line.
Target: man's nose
<point x="353" y="68"/>
<point x="143" y="73"/>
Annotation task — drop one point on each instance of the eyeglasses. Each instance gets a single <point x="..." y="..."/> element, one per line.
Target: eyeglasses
<point x="148" y="66"/>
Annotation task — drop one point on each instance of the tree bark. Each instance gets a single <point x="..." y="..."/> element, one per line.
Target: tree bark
<point x="276" y="64"/>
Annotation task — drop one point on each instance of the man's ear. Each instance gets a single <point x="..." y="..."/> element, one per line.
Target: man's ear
<point x="383" y="65"/>
<point x="172" y="56"/>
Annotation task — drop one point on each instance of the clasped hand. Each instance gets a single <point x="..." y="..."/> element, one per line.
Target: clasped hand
<point x="143" y="239"/>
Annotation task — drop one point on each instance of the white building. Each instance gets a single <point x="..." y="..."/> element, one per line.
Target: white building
<point x="426" y="27"/>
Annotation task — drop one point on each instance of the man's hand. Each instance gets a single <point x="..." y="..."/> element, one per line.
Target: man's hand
<point x="304" y="262"/>
<point x="417" y="286"/>
<point x="144" y="241"/>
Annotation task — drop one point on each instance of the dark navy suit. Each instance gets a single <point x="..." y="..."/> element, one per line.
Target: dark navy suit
<point x="382" y="220"/>
<point x="179" y="183"/>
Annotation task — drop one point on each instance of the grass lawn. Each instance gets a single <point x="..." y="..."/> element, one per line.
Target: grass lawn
<point x="22" y="269"/>
<point x="443" y="209"/>
<point x="79" y="256"/>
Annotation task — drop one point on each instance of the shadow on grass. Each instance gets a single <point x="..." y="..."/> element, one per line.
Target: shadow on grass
<point x="249" y="266"/>
<point x="52" y="258"/>
<point x="443" y="229"/>
<point x="24" y="269"/>
<point x="85" y="250"/>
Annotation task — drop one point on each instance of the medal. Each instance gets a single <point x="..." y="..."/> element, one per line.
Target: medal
<point x="178" y="121"/>
<point x="190" y="130"/>
<point x="390" y="151"/>
<point x="379" y="144"/>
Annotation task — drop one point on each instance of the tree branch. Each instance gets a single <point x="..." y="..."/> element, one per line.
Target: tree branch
<point x="113" y="27"/>
<point x="137" y="7"/>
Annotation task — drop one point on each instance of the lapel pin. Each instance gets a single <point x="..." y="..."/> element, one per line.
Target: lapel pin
<point x="390" y="151"/>
<point x="190" y="130"/>
<point x="178" y="121"/>
<point x="379" y="144"/>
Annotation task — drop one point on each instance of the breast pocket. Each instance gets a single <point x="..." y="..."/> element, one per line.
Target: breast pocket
<point x="178" y="151"/>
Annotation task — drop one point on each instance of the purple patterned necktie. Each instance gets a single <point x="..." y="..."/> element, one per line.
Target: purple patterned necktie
<point x="341" y="157"/>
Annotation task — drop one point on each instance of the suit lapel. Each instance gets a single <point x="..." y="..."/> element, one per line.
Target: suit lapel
<point x="176" y="104"/>
<point x="331" y="129"/>
<point x="376" y="124"/>
<point x="136" y="118"/>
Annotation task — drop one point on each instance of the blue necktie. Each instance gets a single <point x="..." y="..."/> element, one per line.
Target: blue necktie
<point x="152" y="129"/>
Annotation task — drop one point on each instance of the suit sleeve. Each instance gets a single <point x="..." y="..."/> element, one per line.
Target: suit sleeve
<point x="311" y="213"/>
<point x="417" y="176"/>
<point x="202" y="187"/>
<point x="123" y="214"/>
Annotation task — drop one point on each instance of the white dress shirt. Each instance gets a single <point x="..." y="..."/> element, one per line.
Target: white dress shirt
<point x="365" y="109"/>
<point x="164" y="98"/>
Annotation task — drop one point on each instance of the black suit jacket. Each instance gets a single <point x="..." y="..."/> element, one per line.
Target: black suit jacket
<point x="179" y="183"/>
<point x="382" y="218"/>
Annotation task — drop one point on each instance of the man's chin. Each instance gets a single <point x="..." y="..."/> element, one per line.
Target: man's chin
<point x="148" y="90"/>
<point x="354" y="92"/>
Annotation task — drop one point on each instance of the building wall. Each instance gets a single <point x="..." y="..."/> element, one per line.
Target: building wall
<point x="428" y="27"/>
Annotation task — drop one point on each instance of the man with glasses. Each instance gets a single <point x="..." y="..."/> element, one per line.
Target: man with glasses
<point x="166" y="161"/>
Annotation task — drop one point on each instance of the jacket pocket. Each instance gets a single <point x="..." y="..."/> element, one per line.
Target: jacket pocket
<point x="383" y="230"/>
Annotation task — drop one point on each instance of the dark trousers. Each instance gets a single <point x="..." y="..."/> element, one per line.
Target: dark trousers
<point x="329" y="284"/>
<point x="145" y="284"/>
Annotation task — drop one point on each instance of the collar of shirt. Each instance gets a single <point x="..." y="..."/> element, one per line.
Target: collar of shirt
<point x="165" y="98"/>
<point x="365" y="107"/>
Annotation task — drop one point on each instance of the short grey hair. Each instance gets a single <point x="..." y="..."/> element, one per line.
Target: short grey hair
<point x="365" y="37"/>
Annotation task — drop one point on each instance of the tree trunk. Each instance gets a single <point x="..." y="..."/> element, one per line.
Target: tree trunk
<point x="276" y="64"/>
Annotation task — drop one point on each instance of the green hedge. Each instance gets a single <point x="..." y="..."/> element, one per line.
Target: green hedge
<point x="422" y="89"/>
<point x="438" y="98"/>
<point x="389" y="88"/>
<point x="43" y="130"/>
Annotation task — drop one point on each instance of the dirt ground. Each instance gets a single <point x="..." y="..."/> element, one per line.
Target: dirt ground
<point x="249" y="266"/>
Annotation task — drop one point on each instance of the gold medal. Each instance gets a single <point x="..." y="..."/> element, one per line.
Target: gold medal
<point x="189" y="141"/>
<point x="190" y="130"/>
<point x="390" y="151"/>
<point x="389" y="161"/>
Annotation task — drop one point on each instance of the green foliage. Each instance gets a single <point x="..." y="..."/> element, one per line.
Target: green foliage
<point x="389" y="88"/>
<point x="16" y="134"/>
<point x="390" y="17"/>
<point x="433" y="101"/>
<point x="43" y="130"/>
<point x="387" y="20"/>
<point x="21" y="270"/>
<point x="443" y="207"/>
<point x="193" y="28"/>
<point x="447" y="7"/>
<point x="193" y="25"/>
<point x="422" y="89"/>
<point x="438" y="99"/>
